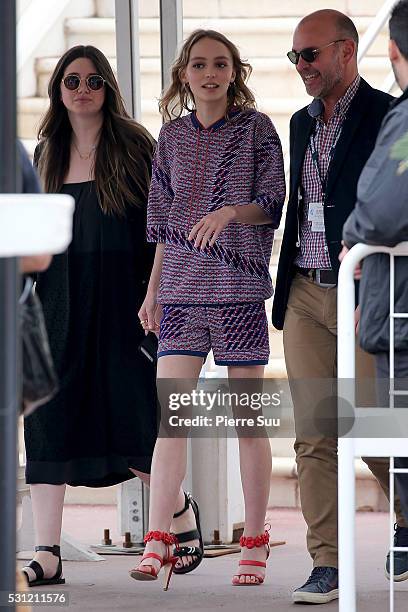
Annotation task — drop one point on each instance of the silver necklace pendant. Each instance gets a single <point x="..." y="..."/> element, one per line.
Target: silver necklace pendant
<point x="85" y="157"/>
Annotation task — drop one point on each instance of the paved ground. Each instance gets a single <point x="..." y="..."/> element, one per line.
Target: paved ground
<point x="106" y="585"/>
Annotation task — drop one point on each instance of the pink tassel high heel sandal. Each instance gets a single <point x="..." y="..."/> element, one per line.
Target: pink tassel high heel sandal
<point x="149" y="572"/>
<point x="248" y="542"/>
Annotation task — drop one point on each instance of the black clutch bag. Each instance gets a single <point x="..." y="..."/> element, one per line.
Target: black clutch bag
<point x="148" y="347"/>
<point x="40" y="381"/>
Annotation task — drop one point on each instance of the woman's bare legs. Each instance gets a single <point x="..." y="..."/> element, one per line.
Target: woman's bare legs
<point x="169" y="461"/>
<point x="47" y="503"/>
<point x="255" y="464"/>
<point x="185" y="522"/>
<point x="145" y="478"/>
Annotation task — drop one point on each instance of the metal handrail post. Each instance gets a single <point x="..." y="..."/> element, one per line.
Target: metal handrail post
<point x="8" y="307"/>
<point x="346" y="372"/>
<point x="128" y="55"/>
<point x="347" y="445"/>
<point x="171" y="35"/>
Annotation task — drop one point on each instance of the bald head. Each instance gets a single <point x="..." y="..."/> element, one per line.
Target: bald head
<point x="331" y="39"/>
<point x="333" y="22"/>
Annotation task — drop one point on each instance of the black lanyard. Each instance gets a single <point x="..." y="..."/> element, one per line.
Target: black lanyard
<point x="315" y="155"/>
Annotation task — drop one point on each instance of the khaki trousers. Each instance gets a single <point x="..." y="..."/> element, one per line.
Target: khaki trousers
<point x="310" y="344"/>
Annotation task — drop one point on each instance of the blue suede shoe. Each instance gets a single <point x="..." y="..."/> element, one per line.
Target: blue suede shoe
<point x="321" y="587"/>
<point x="400" y="558"/>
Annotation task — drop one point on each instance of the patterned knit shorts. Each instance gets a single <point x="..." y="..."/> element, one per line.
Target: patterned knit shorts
<point x="237" y="333"/>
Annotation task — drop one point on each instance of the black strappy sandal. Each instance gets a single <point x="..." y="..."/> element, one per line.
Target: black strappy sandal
<point x="194" y="534"/>
<point x="39" y="572"/>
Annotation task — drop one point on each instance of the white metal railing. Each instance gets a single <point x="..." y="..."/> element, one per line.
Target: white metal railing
<point x="128" y="55"/>
<point x="353" y="445"/>
<point x="130" y="494"/>
<point x="375" y="28"/>
<point x="371" y="34"/>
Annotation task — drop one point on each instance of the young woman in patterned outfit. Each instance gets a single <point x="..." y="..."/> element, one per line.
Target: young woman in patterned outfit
<point x="216" y="198"/>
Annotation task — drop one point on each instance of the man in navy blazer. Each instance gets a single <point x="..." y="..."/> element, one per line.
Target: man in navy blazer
<point x="330" y="142"/>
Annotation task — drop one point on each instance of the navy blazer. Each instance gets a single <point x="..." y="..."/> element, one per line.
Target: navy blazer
<point x="353" y="149"/>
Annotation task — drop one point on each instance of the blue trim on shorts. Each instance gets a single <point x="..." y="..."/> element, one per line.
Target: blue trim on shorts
<point x="242" y="363"/>
<point x="180" y="352"/>
<point x="217" y="305"/>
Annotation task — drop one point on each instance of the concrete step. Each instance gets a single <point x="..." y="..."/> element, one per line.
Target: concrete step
<point x="256" y="37"/>
<point x="271" y="76"/>
<point x="280" y="109"/>
<point x="30" y="111"/>
<point x="29" y="114"/>
<point x="277" y="77"/>
<point x="243" y="8"/>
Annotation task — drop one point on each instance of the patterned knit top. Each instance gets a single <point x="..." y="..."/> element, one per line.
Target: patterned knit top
<point x="196" y="171"/>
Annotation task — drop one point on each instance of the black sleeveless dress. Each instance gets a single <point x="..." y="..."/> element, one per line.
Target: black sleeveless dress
<point x="103" y="420"/>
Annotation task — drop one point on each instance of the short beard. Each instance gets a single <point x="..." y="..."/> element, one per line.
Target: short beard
<point x="330" y="81"/>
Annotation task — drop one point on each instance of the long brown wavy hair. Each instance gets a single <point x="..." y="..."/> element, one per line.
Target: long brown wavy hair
<point x="122" y="166"/>
<point x="178" y="98"/>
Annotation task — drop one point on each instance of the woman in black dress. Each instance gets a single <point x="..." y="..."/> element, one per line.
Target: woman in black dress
<point x="101" y="427"/>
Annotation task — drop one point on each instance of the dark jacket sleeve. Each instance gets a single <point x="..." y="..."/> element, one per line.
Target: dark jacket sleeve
<point x="31" y="183"/>
<point x="288" y="247"/>
<point x="380" y="215"/>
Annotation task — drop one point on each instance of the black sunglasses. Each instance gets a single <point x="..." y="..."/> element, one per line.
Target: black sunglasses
<point x="309" y="54"/>
<point x="94" y="82"/>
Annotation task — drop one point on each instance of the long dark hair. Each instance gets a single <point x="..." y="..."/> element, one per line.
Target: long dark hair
<point x="178" y="97"/>
<point x="123" y="156"/>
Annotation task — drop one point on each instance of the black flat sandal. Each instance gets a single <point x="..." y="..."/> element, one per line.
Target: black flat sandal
<point x="185" y="536"/>
<point x="39" y="572"/>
